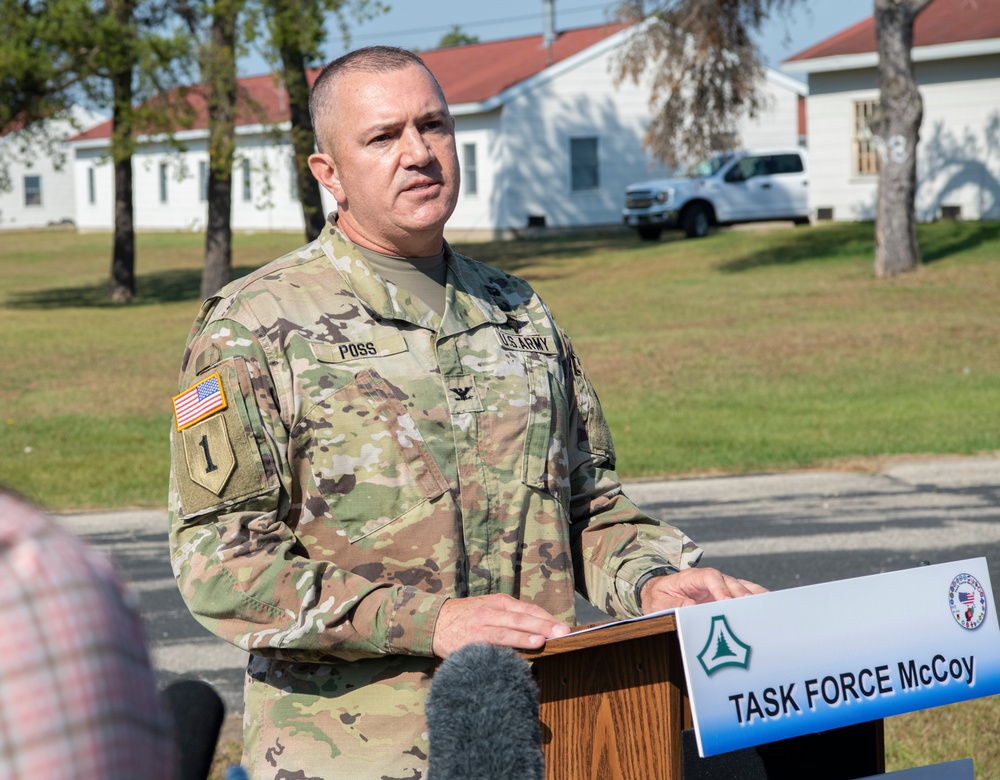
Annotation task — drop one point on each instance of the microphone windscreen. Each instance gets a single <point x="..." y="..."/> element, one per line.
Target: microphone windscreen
<point x="482" y="717"/>
<point x="198" y="712"/>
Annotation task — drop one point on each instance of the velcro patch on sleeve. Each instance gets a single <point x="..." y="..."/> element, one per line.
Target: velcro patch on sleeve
<point x="208" y="454"/>
<point x="217" y="461"/>
<point x="199" y="402"/>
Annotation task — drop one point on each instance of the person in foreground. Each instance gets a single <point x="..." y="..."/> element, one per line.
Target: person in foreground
<point x="78" y="697"/>
<point x="385" y="451"/>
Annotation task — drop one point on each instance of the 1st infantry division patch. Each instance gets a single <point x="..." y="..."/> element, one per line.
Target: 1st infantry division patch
<point x="199" y="401"/>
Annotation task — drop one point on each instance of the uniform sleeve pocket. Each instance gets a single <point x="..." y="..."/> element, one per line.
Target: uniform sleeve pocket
<point x="220" y="461"/>
<point x="595" y="435"/>
<point x="545" y="462"/>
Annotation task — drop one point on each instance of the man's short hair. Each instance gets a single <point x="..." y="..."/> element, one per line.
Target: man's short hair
<point x="371" y="59"/>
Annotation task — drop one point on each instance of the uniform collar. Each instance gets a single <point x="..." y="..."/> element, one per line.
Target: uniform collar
<point x="464" y="309"/>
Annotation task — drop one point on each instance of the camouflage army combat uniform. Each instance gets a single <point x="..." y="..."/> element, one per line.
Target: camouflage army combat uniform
<point x="363" y="461"/>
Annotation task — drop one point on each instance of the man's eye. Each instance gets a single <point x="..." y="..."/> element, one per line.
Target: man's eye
<point x="380" y="139"/>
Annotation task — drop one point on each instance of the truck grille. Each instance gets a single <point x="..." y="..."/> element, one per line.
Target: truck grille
<point x="640" y="199"/>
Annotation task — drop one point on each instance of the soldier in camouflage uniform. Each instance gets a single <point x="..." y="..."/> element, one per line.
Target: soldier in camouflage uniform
<point x="362" y="481"/>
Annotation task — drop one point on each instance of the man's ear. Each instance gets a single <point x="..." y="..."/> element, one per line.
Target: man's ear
<point x="325" y="170"/>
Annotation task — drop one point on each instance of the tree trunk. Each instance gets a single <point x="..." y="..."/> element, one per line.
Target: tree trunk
<point x="219" y="68"/>
<point x="122" y="287"/>
<point x="294" y="72"/>
<point x="897" y="131"/>
<point x="122" y="283"/>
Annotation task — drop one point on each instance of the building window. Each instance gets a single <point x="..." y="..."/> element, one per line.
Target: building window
<point x="203" y="181"/>
<point x="469" y="172"/>
<point x="163" y="182"/>
<point x="293" y="178"/>
<point x="247" y="193"/>
<point x="864" y="154"/>
<point x="32" y="190"/>
<point x="583" y="164"/>
<point x="91" y="186"/>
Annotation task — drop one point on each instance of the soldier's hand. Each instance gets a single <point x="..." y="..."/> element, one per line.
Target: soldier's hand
<point x="497" y="619"/>
<point x="693" y="586"/>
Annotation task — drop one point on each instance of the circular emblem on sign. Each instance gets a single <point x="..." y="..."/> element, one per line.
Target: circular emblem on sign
<point x="967" y="600"/>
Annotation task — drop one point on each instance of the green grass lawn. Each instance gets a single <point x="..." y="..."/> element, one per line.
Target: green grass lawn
<point x="750" y="350"/>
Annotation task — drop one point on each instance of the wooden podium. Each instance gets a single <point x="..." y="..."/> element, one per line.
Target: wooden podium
<point x="614" y="706"/>
<point x="613" y="702"/>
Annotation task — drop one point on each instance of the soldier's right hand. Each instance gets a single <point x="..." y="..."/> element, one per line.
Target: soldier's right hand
<point x="497" y="619"/>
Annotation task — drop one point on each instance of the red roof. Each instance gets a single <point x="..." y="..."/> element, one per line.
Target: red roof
<point x="479" y="71"/>
<point x="262" y="100"/>
<point x="943" y="21"/>
<point x="467" y="74"/>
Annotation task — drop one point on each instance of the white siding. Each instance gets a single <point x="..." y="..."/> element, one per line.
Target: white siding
<point x="777" y="125"/>
<point x="272" y="205"/>
<point x="98" y="215"/>
<point x="183" y="207"/>
<point x="958" y="157"/>
<point x="537" y="128"/>
<point x="58" y="195"/>
<point x="830" y="118"/>
<point x="478" y="212"/>
<point x="959" y="151"/>
<point x="583" y="102"/>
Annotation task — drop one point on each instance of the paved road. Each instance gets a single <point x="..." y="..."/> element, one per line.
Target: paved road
<point x="782" y="530"/>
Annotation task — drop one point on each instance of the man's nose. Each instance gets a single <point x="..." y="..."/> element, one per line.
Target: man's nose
<point x="416" y="152"/>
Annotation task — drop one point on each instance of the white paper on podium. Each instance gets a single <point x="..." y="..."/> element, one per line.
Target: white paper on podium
<point x="602" y="626"/>
<point x="804" y="660"/>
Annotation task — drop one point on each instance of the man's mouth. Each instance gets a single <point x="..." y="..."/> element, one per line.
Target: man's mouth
<point x="422" y="186"/>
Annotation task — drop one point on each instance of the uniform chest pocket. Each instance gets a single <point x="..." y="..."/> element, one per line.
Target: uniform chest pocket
<point x="530" y="423"/>
<point x="367" y="460"/>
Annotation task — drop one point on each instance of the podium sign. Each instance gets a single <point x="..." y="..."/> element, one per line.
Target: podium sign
<point x="810" y="659"/>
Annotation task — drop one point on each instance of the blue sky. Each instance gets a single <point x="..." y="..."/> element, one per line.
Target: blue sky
<point x="421" y="23"/>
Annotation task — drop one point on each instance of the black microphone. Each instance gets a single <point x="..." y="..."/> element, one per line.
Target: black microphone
<point x="198" y="712"/>
<point x="482" y="717"/>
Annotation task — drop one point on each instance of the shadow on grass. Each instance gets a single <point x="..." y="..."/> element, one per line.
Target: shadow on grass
<point x="151" y="288"/>
<point x="805" y="244"/>
<point x="518" y="254"/>
<point x="949" y="238"/>
<point x="185" y="284"/>
<point x="938" y="241"/>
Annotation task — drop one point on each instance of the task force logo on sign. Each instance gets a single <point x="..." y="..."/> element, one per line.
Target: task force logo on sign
<point x="723" y="648"/>
<point x="967" y="600"/>
<point x="804" y="660"/>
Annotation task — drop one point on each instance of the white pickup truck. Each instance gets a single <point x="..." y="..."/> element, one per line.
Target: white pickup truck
<point x="745" y="186"/>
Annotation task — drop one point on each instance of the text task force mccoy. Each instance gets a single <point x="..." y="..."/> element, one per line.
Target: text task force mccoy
<point x="845" y="687"/>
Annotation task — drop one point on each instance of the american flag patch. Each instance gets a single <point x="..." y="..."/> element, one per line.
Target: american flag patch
<point x="966" y="596"/>
<point x="200" y="401"/>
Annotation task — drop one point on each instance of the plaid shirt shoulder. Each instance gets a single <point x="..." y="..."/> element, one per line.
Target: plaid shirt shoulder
<point x="79" y="696"/>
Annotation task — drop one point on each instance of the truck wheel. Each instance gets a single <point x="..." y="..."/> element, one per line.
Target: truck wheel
<point x="647" y="233"/>
<point x="696" y="221"/>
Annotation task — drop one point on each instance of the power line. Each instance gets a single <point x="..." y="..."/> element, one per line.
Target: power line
<point x="483" y="23"/>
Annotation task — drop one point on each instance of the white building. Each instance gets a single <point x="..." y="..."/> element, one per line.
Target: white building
<point x="956" y="54"/>
<point x="557" y="144"/>
<point x="171" y="186"/>
<point x="41" y="183"/>
<point x="545" y="138"/>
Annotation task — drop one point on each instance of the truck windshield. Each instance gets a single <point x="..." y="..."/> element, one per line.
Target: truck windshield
<point x="708" y="167"/>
